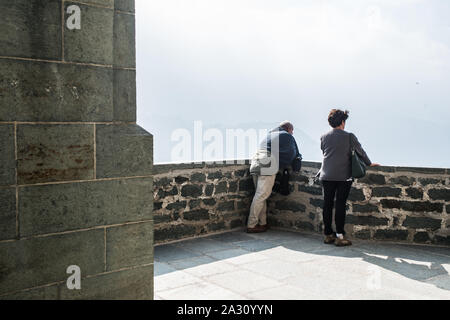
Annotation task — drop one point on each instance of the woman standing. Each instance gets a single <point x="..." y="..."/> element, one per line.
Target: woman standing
<point x="336" y="174"/>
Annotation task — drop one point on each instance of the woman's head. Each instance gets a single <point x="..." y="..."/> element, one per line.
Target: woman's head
<point x="336" y="117"/>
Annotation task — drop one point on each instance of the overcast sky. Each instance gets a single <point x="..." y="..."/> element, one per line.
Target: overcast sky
<point x="253" y="63"/>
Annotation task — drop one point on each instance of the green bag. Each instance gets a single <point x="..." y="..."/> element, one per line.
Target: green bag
<point x="358" y="166"/>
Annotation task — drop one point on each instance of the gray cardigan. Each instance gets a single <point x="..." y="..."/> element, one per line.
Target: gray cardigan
<point x="336" y="164"/>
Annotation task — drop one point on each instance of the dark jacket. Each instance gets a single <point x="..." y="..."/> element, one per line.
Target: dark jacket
<point x="335" y="145"/>
<point x="288" y="150"/>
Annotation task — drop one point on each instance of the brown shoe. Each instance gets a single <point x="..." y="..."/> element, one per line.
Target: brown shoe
<point x="329" y="239"/>
<point x="342" y="242"/>
<point x="264" y="226"/>
<point x="256" y="229"/>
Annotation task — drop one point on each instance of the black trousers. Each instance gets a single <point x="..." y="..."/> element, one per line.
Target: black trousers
<point x="340" y="190"/>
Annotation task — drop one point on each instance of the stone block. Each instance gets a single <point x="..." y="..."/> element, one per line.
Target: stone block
<point x="391" y="234"/>
<point x="30" y="29"/>
<point x="414" y="193"/>
<point x="132" y="284"/>
<point x="161" y="182"/>
<point x="304" y="225"/>
<point x="362" y="234"/>
<point x="310" y="190"/>
<point x="236" y="223"/>
<point x="365" y="208"/>
<point x="63" y="207"/>
<point x="174" y="232"/>
<point x="428" y="181"/>
<point x="7" y="157"/>
<point x="209" y="189"/>
<point x="421" y="237"/>
<point x="163" y="193"/>
<point x="47" y="153"/>
<point x="7" y="213"/>
<point x="318" y="203"/>
<point x="366" y="220"/>
<point x="225" y="206"/>
<point x="216" y="226"/>
<point x="441" y="240"/>
<point x="102" y="3"/>
<point x="124" y="5"/>
<point x="290" y="205"/>
<point x="215" y="175"/>
<point x="421" y="170"/>
<point x="41" y="91"/>
<point x="439" y="194"/>
<point x="42" y="260"/>
<point x="181" y="180"/>
<point x="191" y="190"/>
<point x="246" y="185"/>
<point x="93" y="42"/>
<point x="403" y="180"/>
<point x="198" y="177"/>
<point x="42" y="293"/>
<point x="422" y="223"/>
<point x="233" y="186"/>
<point x="209" y="202"/>
<point x="200" y="214"/>
<point x="241" y="173"/>
<point x="177" y="205"/>
<point x="373" y="179"/>
<point x="123" y="151"/>
<point x="413" y="206"/>
<point x="356" y="195"/>
<point x="221" y="187"/>
<point x="124" y="41"/>
<point x="194" y="204"/>
<point x="124" y="95"/>
<point x="129" y="245"/>
<point x="386" y="192"/>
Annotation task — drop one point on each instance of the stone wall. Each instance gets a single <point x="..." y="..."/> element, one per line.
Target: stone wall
<point x="390" y="203"/>
<point x="75" y="169"/>
<point x="196" y="199"/>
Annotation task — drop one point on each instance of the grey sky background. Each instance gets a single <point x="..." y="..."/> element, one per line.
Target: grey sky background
<point x="253" y="63"/>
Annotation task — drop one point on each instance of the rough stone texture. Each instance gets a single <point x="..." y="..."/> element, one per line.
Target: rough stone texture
<point x="38" y="261"/>
<point x="7" y="158"/>
<point x="47" y="153"/>
<point x="30" y="29"/>
<point x="124" y="41"/>
<point x="124" y="95"/>
<point x="42" y="91"/>
<point x="93" y="43"/>
<point x="7" y="213"/>
<point x="63" y="207"/>
<point x="83" y="193"/>
<point x="388" y="204"/>
<point x="124" y="5"/>
<point x="123" y="151"/>
<point x="128" y="246"/>
<point x="132" y="284"/>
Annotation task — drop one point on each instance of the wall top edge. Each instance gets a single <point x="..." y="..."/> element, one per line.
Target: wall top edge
<point x="168" y="166"/>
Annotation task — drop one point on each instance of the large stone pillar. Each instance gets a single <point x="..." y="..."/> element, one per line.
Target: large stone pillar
<point x="75" y="169"/>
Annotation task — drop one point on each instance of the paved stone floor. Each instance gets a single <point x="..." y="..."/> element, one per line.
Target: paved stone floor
<point x="290" y="265"/>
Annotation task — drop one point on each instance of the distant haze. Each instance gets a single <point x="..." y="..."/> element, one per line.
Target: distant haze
<point x="253" y="63"/>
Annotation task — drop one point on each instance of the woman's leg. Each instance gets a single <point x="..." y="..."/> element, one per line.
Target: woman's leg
<point x="329" y="191"/>
<point x="343" y="190"/>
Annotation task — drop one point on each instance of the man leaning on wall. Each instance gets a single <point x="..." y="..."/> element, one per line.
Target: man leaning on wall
<point x="277" y="150"/>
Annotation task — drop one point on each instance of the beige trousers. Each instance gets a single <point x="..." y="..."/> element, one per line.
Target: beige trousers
<point x="258" y="209"/>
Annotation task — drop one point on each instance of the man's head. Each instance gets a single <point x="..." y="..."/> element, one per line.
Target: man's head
<point x="337" y="118"/>
<point x="286" y="125"/>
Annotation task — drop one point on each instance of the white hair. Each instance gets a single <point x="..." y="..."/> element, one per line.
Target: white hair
<point x="287" y="125"/>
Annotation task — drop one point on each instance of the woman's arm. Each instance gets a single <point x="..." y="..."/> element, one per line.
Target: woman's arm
<point x="359" y="150"/>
